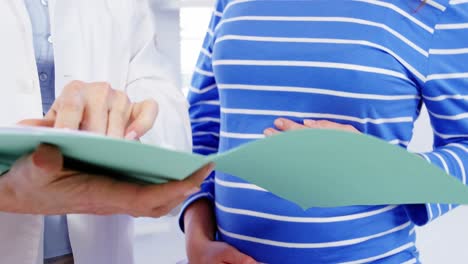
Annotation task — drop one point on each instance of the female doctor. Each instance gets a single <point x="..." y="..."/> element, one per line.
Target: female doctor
<point x="100" y="59"/>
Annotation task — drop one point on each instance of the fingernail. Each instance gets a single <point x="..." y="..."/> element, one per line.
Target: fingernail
<point x="279" y="123"/>
<point x="268" y="132"/>
<point x="131" y="135"/>
<point x="309" y="122"/>
<point x="192" y="191"/>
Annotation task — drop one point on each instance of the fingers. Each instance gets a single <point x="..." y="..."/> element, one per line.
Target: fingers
<point x="152" y="201"/>
<point x="69" y="108"/>
<point x="143" y="116"/>
<point x="37" y="122"/>
<point x="97" y="97"/>
<point x="119" y="115"/>
<point x="284" y="124"/>
<point x="199" y="176"/>
<point x="324" y="124"/>
<point x="98" y="108"/>
<point x="270" y="132"/>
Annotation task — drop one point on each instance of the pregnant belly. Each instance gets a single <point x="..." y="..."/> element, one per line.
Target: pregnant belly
<point x="273" y="230"/>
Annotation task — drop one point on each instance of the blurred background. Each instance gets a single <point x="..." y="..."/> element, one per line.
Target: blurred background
<point x="181" y="26"/>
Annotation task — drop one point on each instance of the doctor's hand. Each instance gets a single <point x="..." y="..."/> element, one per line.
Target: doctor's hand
<point x="96" y="107"/>
<point x="38" y="184"/>
<point x="283" y="124"/>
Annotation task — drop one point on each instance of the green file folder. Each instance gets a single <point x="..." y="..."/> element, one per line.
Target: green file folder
<point x="312" y="168"/>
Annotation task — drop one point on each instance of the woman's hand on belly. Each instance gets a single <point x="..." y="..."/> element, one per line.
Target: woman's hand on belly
<point x="283" y="124"/>
<point x="199" y="235"/>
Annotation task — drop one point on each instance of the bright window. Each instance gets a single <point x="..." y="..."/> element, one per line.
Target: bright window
<point x="194" y="24"/>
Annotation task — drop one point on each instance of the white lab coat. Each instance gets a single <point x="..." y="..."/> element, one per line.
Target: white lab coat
<point x="94" y="40"/>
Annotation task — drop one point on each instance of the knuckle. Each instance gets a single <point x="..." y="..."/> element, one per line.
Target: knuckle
<point x="103" y="89"/>
<point x="72" y="103"/>
<point x="74" y="87"/>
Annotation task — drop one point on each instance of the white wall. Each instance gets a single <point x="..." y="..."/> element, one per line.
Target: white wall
<point x="444" y="240"/>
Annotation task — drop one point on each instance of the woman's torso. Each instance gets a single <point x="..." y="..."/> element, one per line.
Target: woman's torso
<point x="354" y="62"/>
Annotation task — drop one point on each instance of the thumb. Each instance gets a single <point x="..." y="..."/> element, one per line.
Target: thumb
<point x="47" y="159"/>
<point x="143" y="117"/>
<point x="37" y="122"/>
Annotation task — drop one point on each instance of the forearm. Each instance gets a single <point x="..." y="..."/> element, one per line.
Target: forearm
<point x="199" y="221"/>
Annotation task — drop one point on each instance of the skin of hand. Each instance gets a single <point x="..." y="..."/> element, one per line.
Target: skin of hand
<point x="38" y="184"/>
<point x="98" y="108"/>
<point x="283" y="124"/>
<point x="200" y="243"/>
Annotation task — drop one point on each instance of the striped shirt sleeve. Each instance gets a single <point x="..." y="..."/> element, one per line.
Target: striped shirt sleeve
<point x="205" y="109"/>
<point x="445" y="94"/>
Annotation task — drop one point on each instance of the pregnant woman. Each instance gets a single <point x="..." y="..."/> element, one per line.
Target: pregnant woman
<point x="366" y="66"/>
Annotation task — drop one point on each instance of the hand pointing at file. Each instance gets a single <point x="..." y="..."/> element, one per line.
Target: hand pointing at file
<point x="39" y="183"/>
<point x="98" y="108"/>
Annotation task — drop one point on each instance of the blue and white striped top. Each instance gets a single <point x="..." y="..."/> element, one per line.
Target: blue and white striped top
<point x="366" y="63"/>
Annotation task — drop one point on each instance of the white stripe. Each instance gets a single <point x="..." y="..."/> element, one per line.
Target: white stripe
<point x="317" y="64"/>
<point x="327" y="41"/>
<point x="327" y="19"/>
<point x="217" y="13"/>
<point x="206" y="52"/>
<point x="399" y="11"/>
<point x="458" y="2"/>
<point x="282" y="218"/>
<point x="208" y="102"/>
<point x="382" y="256"/>
<point x="196" y="197"/>
<point x="316" y="91"/>
<point x="411" y="232"/>
<point x="312" y="245"/>
<point x="451" y="26"/>
<point x="450" y="117"/>
<point x="459" y="162"/>
<point x="203" y="133"/>
<point x="450" y="136"/>
<point x="203" y="72"/>
<point x="425" y="157"/>
<point x="448" y="51"/>
<point x="446" y="96"/>
<point x="444" y="164"/>
<point x="207" y="181"/>
<point x="316" y="115"/>
<point x="203" y="90"/>
<point x="444" y="76"/>
<point x="232" y="3"/>
<point x="241" y="135"/>
<point x="210" y="32"/>
<point x="429" y="212"/>
<point x="439" y="209"/>
<point x="239" y="185"/>
<point x="398" y="142"/>
<point x="205" y="119"/>
<point x="411" y="261"/>
<point x="458" y="145"/>
<point x="436" y="5"/>
<point x="204" y="148"/>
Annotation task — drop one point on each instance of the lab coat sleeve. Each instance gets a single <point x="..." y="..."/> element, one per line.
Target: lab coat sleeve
<point x="444" y="94"/>
<point x="150" y="77"/>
